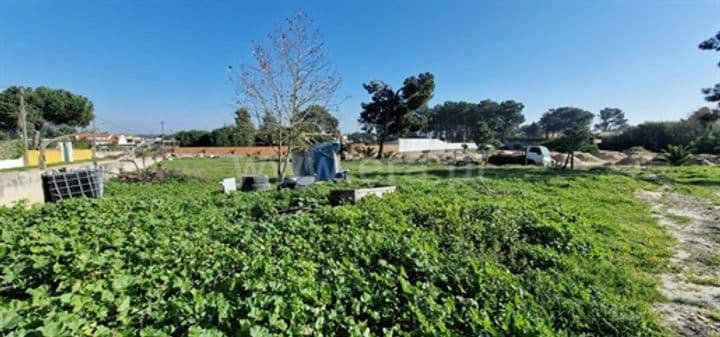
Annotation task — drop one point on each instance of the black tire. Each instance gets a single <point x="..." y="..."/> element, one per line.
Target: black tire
<point x="255" y="179"/>
<point x="256" y="187"/>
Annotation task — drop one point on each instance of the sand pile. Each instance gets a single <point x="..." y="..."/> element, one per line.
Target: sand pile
<point x="708" y="159"/>
<point x="610" y="156"/>
<point x="557" y="156"/>
<point x="588" y="158"/>
<point x="702" y="159"/>
<point x="472" y="157"/>
<point x="560" y="157"/>
<point x="638" y="159"/>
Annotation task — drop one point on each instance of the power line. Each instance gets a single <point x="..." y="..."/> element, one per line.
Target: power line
<point x="119" y="127"/>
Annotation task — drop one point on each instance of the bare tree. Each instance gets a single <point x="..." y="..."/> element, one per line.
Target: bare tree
<point x="290" y="72"/>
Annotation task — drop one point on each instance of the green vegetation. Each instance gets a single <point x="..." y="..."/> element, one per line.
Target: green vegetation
<point x="49" y="111"/>
<point x="708" y="143"/>
<point x="708" y="259"/>
<point x="456" y="252"/>
<point x="698" y="132"/>
<point x="691" y="302"/>
<point x="680" y="219"/>
<point x="709" y="281"/>
<point x="212" y="170"/>
<point x="367" y="151"/>
<point x="611" y="119"/>
<point x="712" y="44"/>
<point x="558" y="120"/>
<point x="677" y="155"/>
<point x="715" y="316"/>
<point x="699" y="181"/>
<point x="393" y="113"/>
<point x="11" y="149"/>
<point x="485" y="123"/>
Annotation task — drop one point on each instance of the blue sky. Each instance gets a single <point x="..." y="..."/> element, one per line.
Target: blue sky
<point x="141" y="62"/>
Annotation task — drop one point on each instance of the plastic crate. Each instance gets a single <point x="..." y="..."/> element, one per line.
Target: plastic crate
<point x="65" y="184"/>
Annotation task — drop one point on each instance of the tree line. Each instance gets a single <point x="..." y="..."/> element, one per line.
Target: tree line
<point x="698" y="133"/>
<point x="404" y="112"/>
<point x="318" y="121"/>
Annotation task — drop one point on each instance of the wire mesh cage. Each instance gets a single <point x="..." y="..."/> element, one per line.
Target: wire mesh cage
<point x="65" y="184"/>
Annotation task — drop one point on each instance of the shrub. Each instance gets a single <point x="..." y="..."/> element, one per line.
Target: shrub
<point x="193" y="138"/>
<point x="554" y="144"/>
<point x="677" y="155"/>
<point x="654" y="136"/>
<point x="590" y="148"/>
<point x="707" y="143"/>
<point x="11" y="149"/>
<point x="563" y="144"/>
<point x="82" y="145"/>
<point x="367" y="151"/>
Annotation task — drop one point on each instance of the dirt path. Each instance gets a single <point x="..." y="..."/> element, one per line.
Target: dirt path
<point x="692" y="284"/>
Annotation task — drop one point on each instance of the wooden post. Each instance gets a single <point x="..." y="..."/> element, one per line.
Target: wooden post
<point x="22" y="124"/>
<point x="94" y="144"/>
<point x="41" y="157"/>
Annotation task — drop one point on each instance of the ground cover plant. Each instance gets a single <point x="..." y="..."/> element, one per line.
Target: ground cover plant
<point x="456" y="252"/>
<point x="11" y="149"/>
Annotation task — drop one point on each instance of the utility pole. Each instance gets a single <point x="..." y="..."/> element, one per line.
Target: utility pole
<point x="162" y="133"/>
<point x="22" y="123"/>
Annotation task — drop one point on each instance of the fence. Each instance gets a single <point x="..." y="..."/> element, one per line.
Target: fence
<point x="82" y="155"/>
<point x="51" y="157"/>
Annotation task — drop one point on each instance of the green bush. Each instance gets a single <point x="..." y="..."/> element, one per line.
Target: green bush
<point x="82" y="145"/>
<point x="388" y="154"/>
<point x="677" y="155"/>
<point x="193" y="138"/>
<point x="708" y="143"/>
<point x="367" y="151"/>
<point x="590" y="148"/>
<point x="654" y="136"/>
<point x="558" y="145"/>
<point x="12" y="149"/>
<point x="554" y="144"/>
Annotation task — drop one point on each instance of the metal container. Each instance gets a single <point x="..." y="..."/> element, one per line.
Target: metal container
<point x="65" y="184"/>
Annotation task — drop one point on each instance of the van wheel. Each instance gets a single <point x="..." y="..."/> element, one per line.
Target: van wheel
<point x="531" y="162"/>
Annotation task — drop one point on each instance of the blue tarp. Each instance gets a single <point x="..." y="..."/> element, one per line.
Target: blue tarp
<point x="321" y="161"/>
<point x="326" y="160"/>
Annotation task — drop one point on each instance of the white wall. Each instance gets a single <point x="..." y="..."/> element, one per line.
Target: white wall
<point x="11" y="163"/>
<point x="427" y="144"/>
<point x="27" y="185"/>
